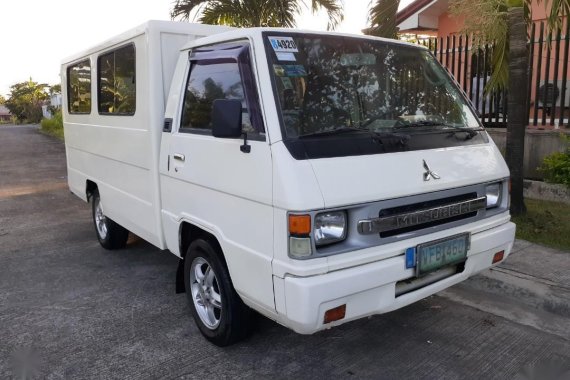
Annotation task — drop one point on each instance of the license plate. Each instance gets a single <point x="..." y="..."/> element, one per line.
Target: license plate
<point x="440" y="253"/>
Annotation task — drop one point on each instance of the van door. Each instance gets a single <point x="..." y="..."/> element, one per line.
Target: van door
<point x="212" y="183"/>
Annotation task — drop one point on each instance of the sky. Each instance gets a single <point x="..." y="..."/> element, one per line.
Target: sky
<point x="36" y="35"/>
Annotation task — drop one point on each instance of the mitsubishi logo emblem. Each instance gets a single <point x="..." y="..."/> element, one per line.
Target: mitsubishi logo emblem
<point x="429" y="174"/>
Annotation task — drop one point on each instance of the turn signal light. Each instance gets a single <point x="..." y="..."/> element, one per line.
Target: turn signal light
<point x="299" y="224"/>
<point x="498" y="256"/>
<point x="335" y="314"/>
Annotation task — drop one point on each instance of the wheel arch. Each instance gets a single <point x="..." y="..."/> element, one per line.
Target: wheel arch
<point x="90" y="189"/>
<point x="187" y="233"/>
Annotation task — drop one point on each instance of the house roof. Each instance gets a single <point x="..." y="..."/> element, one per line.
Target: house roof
<point x="421" y="15"/>
<point x="4" y="111"/>
<point x="411" y="9"/>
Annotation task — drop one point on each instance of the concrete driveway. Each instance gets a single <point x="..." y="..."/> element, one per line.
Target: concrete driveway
<point x="70" y="309"/>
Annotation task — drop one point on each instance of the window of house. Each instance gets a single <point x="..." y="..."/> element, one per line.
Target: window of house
<point x="207" y="82"/>
<point x="79" y="88"/>
<point x="117" y="82"/>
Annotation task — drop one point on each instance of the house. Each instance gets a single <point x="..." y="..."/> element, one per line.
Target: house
<point x="432" y="18"/>
<point x="549" y="79"/>
<point x="5" y="115"/>
<point x="55" y="99"/>
<point x="54" y="102"/>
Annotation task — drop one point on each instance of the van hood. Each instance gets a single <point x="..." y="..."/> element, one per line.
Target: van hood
<point x="360" y="179"/>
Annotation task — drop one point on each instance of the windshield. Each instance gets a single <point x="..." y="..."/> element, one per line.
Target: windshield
<point x="330" y="84"/>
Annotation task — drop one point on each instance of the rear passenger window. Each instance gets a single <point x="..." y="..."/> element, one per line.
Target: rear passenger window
<point x="117" y="82"/>
<point x="79" y="88"/>
<point x="207" y="82"/>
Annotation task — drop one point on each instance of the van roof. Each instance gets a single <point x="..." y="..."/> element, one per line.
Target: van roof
<point x="234" y="33"/>
<point x="151" y="26"/>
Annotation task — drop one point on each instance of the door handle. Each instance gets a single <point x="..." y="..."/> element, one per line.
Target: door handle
<point x="179" y="157"/>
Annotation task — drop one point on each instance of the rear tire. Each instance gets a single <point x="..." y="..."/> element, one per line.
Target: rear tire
<point x="219" y="312"/>
<point x="110" y="234"/>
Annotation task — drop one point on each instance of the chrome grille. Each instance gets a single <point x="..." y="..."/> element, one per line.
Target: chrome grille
<point x="395" y="221"/>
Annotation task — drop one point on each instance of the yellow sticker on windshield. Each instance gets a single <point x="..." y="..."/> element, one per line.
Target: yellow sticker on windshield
<point x="279" y="70"/>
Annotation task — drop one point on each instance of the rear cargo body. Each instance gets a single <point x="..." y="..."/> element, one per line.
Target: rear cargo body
<point x="317" y="178"/>
<point x="120" y="152"/>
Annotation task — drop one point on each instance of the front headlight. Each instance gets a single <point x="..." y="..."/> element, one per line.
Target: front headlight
<point x="330" y="227"/>
<point x="493" y="193"/>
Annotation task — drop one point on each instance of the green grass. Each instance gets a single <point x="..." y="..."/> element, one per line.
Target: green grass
<point x="546" y="223"/>
<point x="53" y="126"/>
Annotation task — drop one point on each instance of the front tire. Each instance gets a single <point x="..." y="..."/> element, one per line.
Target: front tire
<point x="219" y="312"/>
<point x="110" y="234"/>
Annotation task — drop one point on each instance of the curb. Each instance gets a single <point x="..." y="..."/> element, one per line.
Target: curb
<point x="546" y="191"/>
<point x="526" y="288"/>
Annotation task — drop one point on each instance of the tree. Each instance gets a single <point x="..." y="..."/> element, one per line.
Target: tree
<point x="504" y="24"/>
<point x="517" y="105"/>
<point x="488" y="22"/>
<point x="252" y="13"/>
<point x="55" y="89"/>
<point x="558" y="8"/>
<point x="382" y="19"/>
<point x="2" y="100"/>
<point x="26" y="99"/>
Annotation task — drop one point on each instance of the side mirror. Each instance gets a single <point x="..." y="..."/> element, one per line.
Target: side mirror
<point x="226" y="118"/>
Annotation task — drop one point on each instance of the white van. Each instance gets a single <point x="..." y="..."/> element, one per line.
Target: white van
<point x="316" y="178"/>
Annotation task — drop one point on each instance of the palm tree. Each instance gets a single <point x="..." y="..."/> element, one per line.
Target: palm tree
<point x="517" y="104"/>
<point x="251" y="13"/>
<point x="382" y="18"/>
<point x="558" y="8"/>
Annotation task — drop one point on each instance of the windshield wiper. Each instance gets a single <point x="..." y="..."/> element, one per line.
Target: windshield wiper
<point x="337" y="131"/>
<point x="447" y="128"/>
<point x="421" y="123"/>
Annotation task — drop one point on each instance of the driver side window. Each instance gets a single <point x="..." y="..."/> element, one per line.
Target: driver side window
<point x="207" y="82"/>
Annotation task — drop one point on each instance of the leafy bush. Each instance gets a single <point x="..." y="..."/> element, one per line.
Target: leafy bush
<point x="53" y="126"/>
<point x="25" y="101"/>
<point x="556" y="167"/>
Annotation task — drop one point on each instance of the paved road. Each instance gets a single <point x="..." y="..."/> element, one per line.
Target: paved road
<point x="70" y="309"/>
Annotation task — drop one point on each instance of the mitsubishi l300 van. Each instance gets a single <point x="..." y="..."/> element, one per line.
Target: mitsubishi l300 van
<point x="314" y="177"/>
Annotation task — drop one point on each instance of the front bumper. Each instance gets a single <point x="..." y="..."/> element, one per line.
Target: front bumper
<point x="371" y="288"/>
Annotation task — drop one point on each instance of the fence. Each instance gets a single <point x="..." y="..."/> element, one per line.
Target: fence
<point x="548" y="79"/>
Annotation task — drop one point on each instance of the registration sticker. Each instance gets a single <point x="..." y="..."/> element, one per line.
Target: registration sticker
<point x="283" y="44"/>
<point x="279" y="70"/>
<point x="283" y="56"/>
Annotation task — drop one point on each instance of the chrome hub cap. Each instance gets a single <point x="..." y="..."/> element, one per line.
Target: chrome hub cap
<point x="100" y="221"/>
<point x="206" y="292"/>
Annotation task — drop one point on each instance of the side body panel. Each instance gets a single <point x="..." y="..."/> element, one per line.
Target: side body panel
<point x="224" y="191"/>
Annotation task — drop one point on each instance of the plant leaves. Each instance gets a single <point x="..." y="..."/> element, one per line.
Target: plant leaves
<point x="382" y="19"/>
